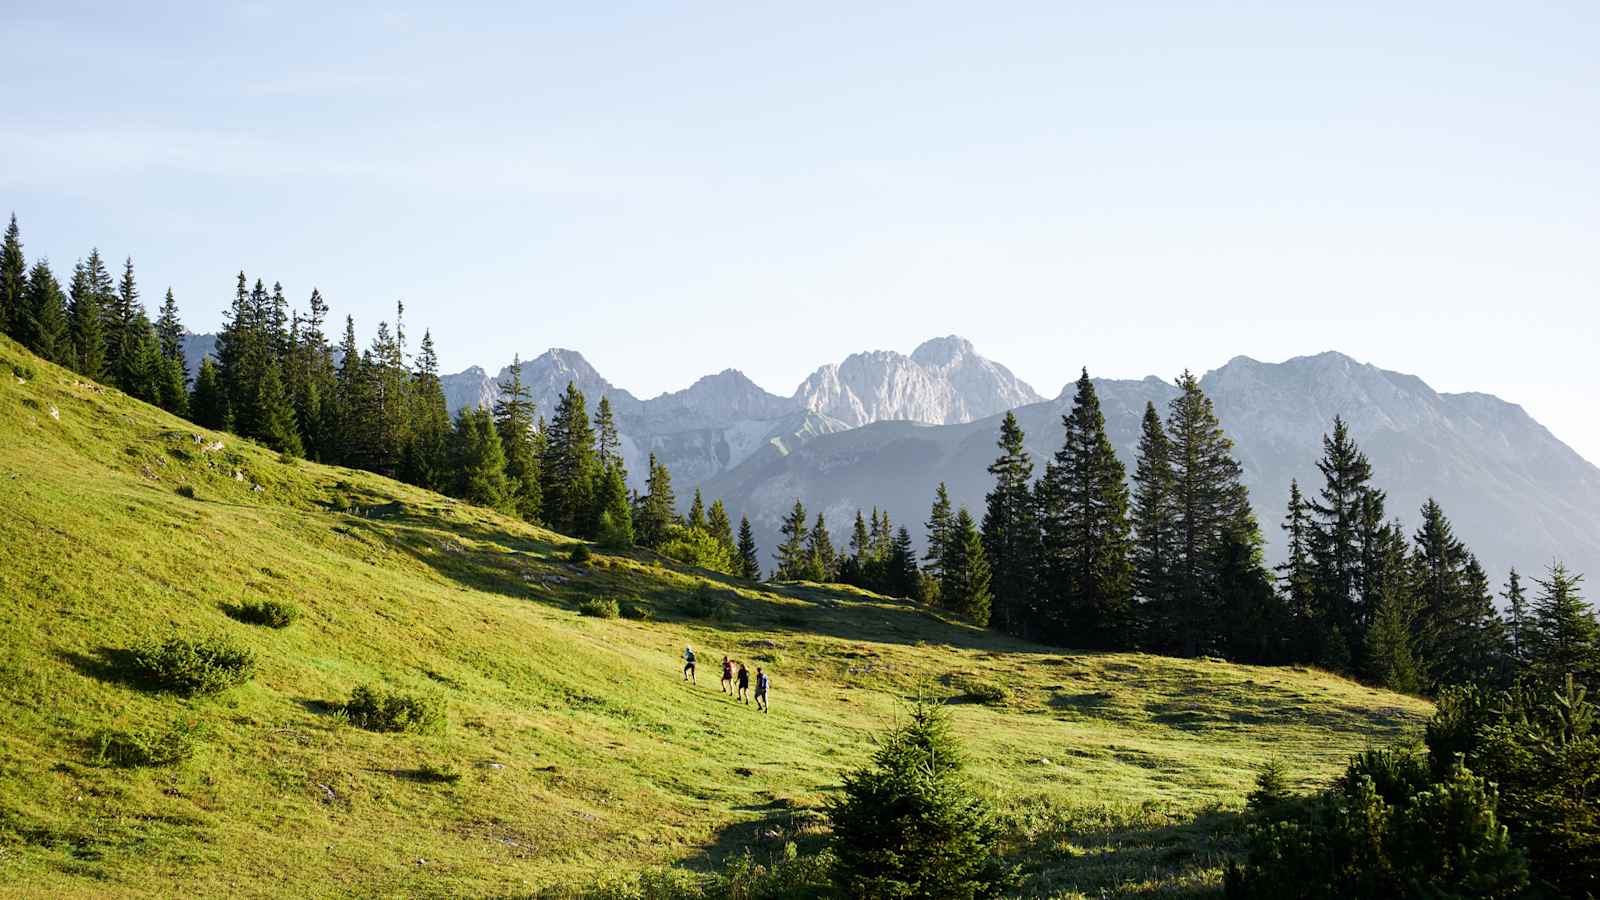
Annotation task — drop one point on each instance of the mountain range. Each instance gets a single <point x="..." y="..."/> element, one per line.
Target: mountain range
<point x="882" y="429"/>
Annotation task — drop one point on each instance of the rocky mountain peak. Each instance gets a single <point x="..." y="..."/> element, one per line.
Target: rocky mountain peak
<point x="941" y="352"/>
<point x="943" y="382"/>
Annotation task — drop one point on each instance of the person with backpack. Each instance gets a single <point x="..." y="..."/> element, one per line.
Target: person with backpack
<point x="688" y="665"/>
<point x="744" y="684"/>
<point x="727" y="675"/>
<point x="762" y="683"/>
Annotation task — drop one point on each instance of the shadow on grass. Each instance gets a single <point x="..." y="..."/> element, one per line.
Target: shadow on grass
<point x="1099" y="854"/>
<point x="777" y="823"/>
<point x="113" y="665"/>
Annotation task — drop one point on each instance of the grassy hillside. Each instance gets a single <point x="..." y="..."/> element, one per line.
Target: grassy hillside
<point x="581" y="752"/>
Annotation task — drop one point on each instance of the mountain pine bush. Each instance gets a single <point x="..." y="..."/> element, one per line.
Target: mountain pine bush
<point x="191" y="667"/>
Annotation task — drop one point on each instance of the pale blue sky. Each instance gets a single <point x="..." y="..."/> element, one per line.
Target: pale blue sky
<point x="677" y="188"/>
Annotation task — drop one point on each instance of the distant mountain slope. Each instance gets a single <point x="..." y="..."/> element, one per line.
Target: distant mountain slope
<point x="1516" y="494"/>
<point x="942" y="382"/>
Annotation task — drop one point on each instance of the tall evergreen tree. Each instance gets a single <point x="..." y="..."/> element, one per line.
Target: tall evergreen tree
<point x="658" y="509"/>
<point x="169" y="329"/>
<point x="125" y="336"/>
<point x="275" y="415"/>
<point x="1455" y="615"/>
<point x="718" y="524"/>
<point x="173" y="377"/>
<point x="1345" y="516"/>
<point x="569" y="466"/>
<point x="1297" y="581"/>
<point x="1209" y="502"/>
<point x="900" y="576"/>
<point x="1155" y="535"/>
<point x="608" y="443"/>
<point x="748" y="564"/>
<point x="86" y="320"/>
<point x="1391" y="655"/>
<point x="792" y="555"/>
<point x="427" y="453"/>
<point x="1011" y="531"/>
<point x="1088" y="566"/>
<point x="13" y="282"/>
<point x="964" y="573"/>
<point x="615" y="528"/>
<point x="208" y="405"/>
<point x="697" y="512"/>
<point x="940" y="519"/>
<point x="43" y="328"/>
<point x="514" y="419"/>
<point x="1520" y="624"/>
<point x="824" y="560"/>
<point x="479" y="460"/>
<point x="1564" y="639"/>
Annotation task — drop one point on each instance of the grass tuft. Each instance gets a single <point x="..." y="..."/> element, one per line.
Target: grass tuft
<point x="139" y="748"/>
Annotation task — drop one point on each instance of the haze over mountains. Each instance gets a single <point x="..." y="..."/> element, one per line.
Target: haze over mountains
<point x="882" y="429"/>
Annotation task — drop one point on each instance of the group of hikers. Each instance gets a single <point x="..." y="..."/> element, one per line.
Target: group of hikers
<point x="730" y="678"/>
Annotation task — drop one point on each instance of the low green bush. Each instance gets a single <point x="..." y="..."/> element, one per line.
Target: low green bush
<point x="979" y="690"/>
<point x="146" y="746"/>
<point x="375" y="709"/>
<point x="580" y="554"/>
<point x="599" y="608"/>
<point x="186" y="491"/>
<point x="191" y="667"/>
<point x="271" y="613"/>
<point x="706" y="602"/>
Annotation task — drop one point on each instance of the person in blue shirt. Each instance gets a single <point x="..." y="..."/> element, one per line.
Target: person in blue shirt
<point x="762" y="683"/>
<point x="688" y="665"/>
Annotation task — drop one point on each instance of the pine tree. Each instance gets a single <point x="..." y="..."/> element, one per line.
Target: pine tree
<point x="1520" y="624"/>
<point x="208" y="405"/>
<point x="608" y="443"/>
<point x="940" y="520"/>
<point x="747" y="561"/>
<point x="1155" y="536"/>
<point x="13" y="283"/>
<point x="569" y="467"/>
<point x="1344" y="519"/>
<point x="615" y="529"/>
<point x="965" y="575"/>
<point x="1087" y="565"/>
<point x="721" y="528"/>
<point x="824" y="560"/>
<point x="514" y="419"/>
<point x="43" y="328"/>
<point x="86" y="324"/>
<point x="1209" y="501"/>
<point x="275" y="415"/>
<point x="1564" y="638"/>
<point x="479" y="460"/>
<point x="697" y="512"/>
<point x="792" y="555"/>
<point x="658" y="509"/>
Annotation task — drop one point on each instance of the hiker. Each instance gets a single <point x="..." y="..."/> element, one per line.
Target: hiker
<point x="727" y="675"/>
<point x="688" y="665"/>
<point x="761" y="689"/>
<point x="744" y="684"/>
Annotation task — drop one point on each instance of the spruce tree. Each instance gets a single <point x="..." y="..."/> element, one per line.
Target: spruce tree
<point x="658" y="509"/>
<point x="1520" y="623"/>
<point x="792" y="555"/>
<point x="1011" y="531"/>
<point x="275" y="415"/>
<point x="607" y="442"/>
<point x="1564" y="638"/>
<point x="940" y="520"/>
<point x="569" y="467"/>
<point x="479" y="460"/>
<point x="1297" y="582"/>
<point x="1087" y="566"/>
<point x="965" y="576"/>
<point x="1252" y="621"/>
<point x="317" y="402"/>
<point x="13" y="283"/>
<point x="143" y="369"/>
<point x="427" y="454"/>
<point x="747" y="561"/>
<point x="1456" y="622"/>
<point x="1344" y="516"/>
<point x="901" y="577"/>
<point x="1209" y="501"/>
<point x="1391" y="654"/>
<point x="125" y="336"/>
<point x="514" y="419"/>
<point x="169" y="329"/>
<point x="697" y="512"/>
<point x="824" y="560"/>
<point x="719" y="526"/>
<point x="43" y="328"/>
<point x="208" y="405"/>
<point x="1155" y="536"/>
<point x="86" y="321"/>
<point x="615" y="528"/>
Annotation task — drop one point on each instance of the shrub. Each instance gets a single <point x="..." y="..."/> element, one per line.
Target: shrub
<point x="979" y="690"/>
<point x="375" y="709"/>
<point x="599" y="607"/>
<point x="271" y="613"/>
<point x="1272" y="787"/>
<point x="636" y="612"/>
<point x="186" y="491"/>
<point x="192" y="667"/>
<point x="909" y="826"/>
<point x="580" y="554"/>
<point x="705" y="602"/>
<point x="146" y="747"/>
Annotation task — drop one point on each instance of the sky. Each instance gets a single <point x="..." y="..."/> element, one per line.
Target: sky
<point x="675" y="189"/>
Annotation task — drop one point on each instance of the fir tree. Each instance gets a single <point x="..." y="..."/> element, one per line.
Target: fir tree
<point x="86" y="320"/>
<point x="569" y="466"/>
<point x="940" y="520"/>
<point x="965" y="575"/>
<point x="1391" y="654"/>
<point x="143" y="369"/>
<point x="1564" y="638"/>
<point x="901" y="577"/>
<point x="719" y="526"/>
<point x="747" y="561"/>
<point x="791" y="554"/>
<point x="1456" y="638"/>
<point x="1520" y="624"/>
<point x="615" y="529"/>
<point x="125" y="337"/>
<point x="1297" y="581"/>
<point x="1154" y="547"/>
<point x="1345" y="515"/>
<point x="172" y="388"/>
<point x="479" y="460"/>
<point x="1252" y="620"/>
<point x="13" y="283"/>
<point x="427" y="453"/>
<point x="275" y="415"/>
<point x="1209" y="501"/>
<point x="607" y="442"/>
<point x="43" y="328"/>
<point x="169" y="329"/>
<point x="658" y="508"/>
<point x="1083" y="509"/>
<point x="208" y="405"/>
<point x="824" y="560"/>
<point x="317" y="403"/>
<point x="514" y="419"/>
<point x="697" y="512"/>
<point x="1011" y="532"/>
